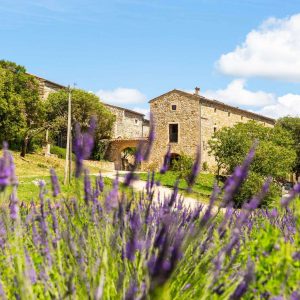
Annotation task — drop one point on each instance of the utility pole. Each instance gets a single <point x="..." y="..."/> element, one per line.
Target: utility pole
<point x="67" y="176"/>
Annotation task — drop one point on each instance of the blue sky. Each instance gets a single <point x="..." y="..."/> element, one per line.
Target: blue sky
<point x="129" y="51"/>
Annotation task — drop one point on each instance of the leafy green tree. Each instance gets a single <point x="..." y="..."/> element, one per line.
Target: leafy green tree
<point x="292" y="124"/>
<point x="22" y="114"/>
<point x="275" y="155"/>
<point x="84" y="106"/>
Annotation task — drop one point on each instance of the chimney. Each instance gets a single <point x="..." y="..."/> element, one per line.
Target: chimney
<point x="197" y="90"/>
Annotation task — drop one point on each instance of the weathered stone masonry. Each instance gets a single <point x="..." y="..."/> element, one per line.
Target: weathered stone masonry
<point x="184" y="109"/>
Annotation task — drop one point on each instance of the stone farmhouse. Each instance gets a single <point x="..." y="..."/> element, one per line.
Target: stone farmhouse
<point x="182" y="120"/>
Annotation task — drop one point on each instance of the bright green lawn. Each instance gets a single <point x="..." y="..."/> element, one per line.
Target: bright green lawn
<point x="202" y="189"/>
<point x="36" y="167"/>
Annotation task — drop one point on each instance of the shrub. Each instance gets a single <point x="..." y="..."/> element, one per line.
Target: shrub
<point x="251" y="187"/>
<point x="183" y="165"/>
<point x="60" y="152"/>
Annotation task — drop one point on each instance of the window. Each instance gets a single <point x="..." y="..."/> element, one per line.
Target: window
<point x="174" y="107"/>
<point x="136" y="121"/>
<point x="215" y="110"/>
<point x="215" y="129"/>
<point x="242" y="117"/>
<point x="228" y="114"/>
<point x="173" y="133"/>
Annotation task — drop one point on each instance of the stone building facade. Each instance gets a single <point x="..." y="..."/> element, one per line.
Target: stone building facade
<point x="129" y="123"/>
<point x="185" y="121"/>
<point x="47" y="87"/>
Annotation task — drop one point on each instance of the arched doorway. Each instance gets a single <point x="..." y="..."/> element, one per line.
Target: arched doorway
<point x="117" y="146"/>
<point x="128" y="158"/>
<point x="174" y="157"/>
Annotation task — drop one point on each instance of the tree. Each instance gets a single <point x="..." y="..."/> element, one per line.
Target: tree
<point x="274" y="154"/>
<point x="84" y="106"/>
<point x="22" y="114"/>
<point x="292" y="124"/>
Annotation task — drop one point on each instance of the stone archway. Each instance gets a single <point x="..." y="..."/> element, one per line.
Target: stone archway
<point x="116" y="146"/>
<point x="128" y="158"/>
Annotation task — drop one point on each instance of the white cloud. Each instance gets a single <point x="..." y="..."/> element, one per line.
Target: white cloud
<point x="122" y="96"/>
<point x="259" y="101"/>
<point x="288" y="104"/>
<point x="271" y="51"/>
<point x="236" y="94"/>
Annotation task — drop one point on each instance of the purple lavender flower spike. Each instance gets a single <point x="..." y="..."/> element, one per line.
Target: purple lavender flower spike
<point x="295" y="295"/>
<point x="195" y="171"/>
<point x="213" y="198"/>
<point x="7" y="169"/>
<point x="83" y="145"/>
<point x="292" y="195"/>
<point x="130" y="177"/>
<point x="148" y="183"/>
<point x="112" y="198"/>
<point x="54" y="219"/>
<point x="30" y="268"/>
<point x="255" y="201"/>
<point x="2" y="293"/>
<point x="244" y="285"/>
<point x="3" y="235"/>
<point x="87" y="187"/>
<point x="101" y="183"/>
<point x="54" y="183"/>
<point x="132" y="290"/>
<point x="13" y="205"/>
<point x="167" y="160"/>
<point x="236" y="179"/>
<point x="296" y="256"/>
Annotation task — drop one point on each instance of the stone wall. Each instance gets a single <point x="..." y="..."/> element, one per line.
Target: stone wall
<point x="47" y="87"/>
<point x="215" y="117"/>
<point x="128" y="124"/>
<point x="187" y="115"/>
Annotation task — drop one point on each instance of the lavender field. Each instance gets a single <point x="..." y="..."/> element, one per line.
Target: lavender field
<point x="125" y="245"/>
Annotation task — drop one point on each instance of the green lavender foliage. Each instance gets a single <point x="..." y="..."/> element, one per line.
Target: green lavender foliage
<point x="118" y="244"/>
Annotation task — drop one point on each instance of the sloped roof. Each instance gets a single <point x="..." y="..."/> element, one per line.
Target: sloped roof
<point x="126" y="109"/>
<point x="49" y="81"/>
<point x="216" y="103"/>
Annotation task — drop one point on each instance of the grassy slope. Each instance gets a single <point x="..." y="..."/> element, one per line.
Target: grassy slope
<point x="37" y="166"/>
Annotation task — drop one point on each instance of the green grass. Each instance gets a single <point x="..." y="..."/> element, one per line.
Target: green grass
<point x="36" y="167"/>
<point x="201" y="190"/>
